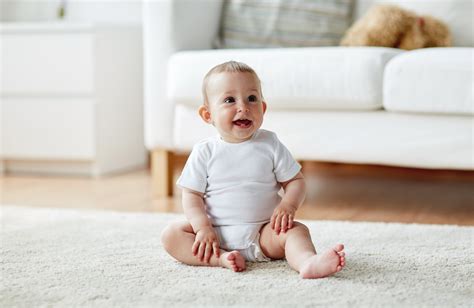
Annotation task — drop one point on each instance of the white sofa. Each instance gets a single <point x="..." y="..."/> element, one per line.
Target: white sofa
<point x="364" y="105"/>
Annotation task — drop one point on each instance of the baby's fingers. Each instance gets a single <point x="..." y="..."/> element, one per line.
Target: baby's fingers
<point x="278" y="224"/>
<point x="195" y="248"/>
<point x="215" y="247"/>
<point x="272" y="221"/>
<point x="202" y="247"/>
<point x="284" y="223"/>
<point x="290" y="221"/>
<point x="208" y="252"/>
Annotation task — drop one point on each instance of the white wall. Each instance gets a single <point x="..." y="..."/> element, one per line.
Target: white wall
<point x="122" y="11"/>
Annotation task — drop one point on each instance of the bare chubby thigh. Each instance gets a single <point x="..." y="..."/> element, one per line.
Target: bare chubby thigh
<point x="176" y="228"/>
<point x="183" y="226"/>
<point x="272" y="244"/>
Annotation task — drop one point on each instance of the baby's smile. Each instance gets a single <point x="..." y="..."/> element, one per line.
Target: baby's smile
<point x="242" y="123"/>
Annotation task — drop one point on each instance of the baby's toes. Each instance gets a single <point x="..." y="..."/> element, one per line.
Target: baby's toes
<point x="339" y="248"/>
<point x="342" y="262"/>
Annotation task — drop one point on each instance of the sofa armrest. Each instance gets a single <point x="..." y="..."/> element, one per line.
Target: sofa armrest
<point x="170" y="26"/>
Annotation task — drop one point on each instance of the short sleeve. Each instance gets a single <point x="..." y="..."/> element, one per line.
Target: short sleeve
<point x="194" y="175"/>
<point x="285" y="166"/>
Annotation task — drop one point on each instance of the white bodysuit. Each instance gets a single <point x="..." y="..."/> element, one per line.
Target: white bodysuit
<point x="240" y="183"/>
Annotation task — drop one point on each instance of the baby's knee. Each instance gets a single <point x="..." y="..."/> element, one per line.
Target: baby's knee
<point x="298" y="226"/>
<point x="168" y="235"/>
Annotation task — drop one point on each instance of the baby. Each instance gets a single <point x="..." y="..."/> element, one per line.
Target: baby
<point x="231" y="186"/>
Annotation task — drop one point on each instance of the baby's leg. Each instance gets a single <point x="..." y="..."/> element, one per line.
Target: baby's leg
<point x="297" y="247"/>
<point x="178" y="239"/>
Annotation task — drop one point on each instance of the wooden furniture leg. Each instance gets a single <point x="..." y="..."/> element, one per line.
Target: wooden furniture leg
<point x="162" y="173"/>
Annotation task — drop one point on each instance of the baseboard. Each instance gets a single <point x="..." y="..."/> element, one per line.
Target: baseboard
<point x="74" y="168"/>
<point x="64" y="168"/>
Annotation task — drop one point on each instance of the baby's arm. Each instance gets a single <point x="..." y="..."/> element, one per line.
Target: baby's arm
<point x="206" y="242"/>
<point x="283" y="215"/>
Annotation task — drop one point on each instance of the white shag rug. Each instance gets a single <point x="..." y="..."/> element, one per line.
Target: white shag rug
<point x="71" y="258"/>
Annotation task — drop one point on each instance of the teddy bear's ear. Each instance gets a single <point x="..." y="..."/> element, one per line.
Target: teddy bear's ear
<point x="421" y="22"/>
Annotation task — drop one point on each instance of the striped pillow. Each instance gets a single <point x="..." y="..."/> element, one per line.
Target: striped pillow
<point x="283" y="23"/>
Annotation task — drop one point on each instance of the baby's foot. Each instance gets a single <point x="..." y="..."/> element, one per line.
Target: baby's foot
<point x="233" y="260"/>
<point x="323" y="265"/>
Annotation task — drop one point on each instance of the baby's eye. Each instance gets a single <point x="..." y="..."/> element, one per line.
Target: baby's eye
<point x="229" y="100"/>
<point x="252" y="98"/>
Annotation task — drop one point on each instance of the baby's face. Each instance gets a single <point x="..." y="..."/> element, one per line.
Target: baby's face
<point x="236" y="106"/>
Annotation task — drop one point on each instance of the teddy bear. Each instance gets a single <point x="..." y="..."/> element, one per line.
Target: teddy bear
<point x="392" y="26"/>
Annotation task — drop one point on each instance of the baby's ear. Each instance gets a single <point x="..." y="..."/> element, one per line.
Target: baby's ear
<point x="205" y="114"/>
<point x="264" y="107"/>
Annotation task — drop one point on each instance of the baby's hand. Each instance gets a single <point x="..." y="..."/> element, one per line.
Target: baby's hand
<point x="205" y="244"/>
<point x="282" y="218"/>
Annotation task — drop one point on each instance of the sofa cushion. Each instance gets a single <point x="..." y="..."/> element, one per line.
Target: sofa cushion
<point x="297" y="23"/>
<point x="292" y="78"/>
<point x="433" y="80"/>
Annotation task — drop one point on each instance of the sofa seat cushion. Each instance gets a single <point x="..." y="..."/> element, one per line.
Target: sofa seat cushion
<point x="434" y="80"/>
<point x="363" y="137"/>
<point x="292" y="78"/>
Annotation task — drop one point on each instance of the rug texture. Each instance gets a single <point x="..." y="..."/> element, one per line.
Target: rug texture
<point x="71" y="258"/>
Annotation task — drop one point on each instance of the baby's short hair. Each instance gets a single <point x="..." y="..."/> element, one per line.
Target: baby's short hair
<point x="229" y="67"/>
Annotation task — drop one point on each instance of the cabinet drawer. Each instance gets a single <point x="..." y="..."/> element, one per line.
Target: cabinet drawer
<point x="46" y="63"/>
<point x="48" y="129"/>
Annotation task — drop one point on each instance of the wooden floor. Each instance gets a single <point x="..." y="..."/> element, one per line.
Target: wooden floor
<point x="336" y="192"/>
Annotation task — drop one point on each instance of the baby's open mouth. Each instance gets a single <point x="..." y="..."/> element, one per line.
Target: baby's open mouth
<point x="243" y="123"/>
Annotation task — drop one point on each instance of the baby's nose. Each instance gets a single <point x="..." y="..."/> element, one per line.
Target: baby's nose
<point x="242" y="107"/>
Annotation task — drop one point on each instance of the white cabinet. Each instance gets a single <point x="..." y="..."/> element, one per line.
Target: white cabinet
<point x="49" y="128"/>
<point x="71" y="98"/>
<point x="47" y="63"/>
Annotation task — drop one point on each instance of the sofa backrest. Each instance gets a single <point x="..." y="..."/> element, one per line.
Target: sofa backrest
<point x="457" y="14"/>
